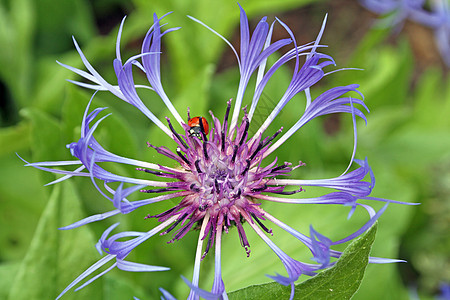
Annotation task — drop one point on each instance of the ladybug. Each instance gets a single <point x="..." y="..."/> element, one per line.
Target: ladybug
<point x="195" y="129"/>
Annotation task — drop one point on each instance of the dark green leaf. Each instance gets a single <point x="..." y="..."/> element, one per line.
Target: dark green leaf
<point x="338" y="282"/>
<point x="56" y="24"/>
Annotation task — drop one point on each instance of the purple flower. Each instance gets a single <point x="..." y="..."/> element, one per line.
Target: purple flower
<point x="437" y="18"/>
<point x="398" y="10"/>
<point x="439" y="21"/>
<point x="224" y="176"/>
<point x="444" y="291"/>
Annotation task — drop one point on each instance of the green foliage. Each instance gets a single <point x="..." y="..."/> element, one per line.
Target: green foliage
<point x="55" y="258"/>
<point x="339" y="282"/>
<point x="43" y="272"/>
<point x="8" y="272"/>
<point x="29" y="31"/>
<point x="14" y="138"/>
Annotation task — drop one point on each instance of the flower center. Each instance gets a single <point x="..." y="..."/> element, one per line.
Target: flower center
<point x="216" y="175"/>
<point x="221" y="175"/>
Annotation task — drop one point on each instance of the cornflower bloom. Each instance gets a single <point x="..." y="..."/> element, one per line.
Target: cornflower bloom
<point x="223" y="176"/>
<point x="398" y="10"/>
<point x="437" y="18"/>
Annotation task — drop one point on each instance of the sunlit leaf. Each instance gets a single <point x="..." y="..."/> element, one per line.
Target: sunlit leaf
<point x="339" y="282"/>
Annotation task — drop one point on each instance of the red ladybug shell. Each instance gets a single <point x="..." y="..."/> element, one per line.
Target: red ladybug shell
<point x="195" y="122"/>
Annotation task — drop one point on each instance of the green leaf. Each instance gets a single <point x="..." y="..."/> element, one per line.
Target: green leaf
<point x="16" y="31"/>
<point x="7" y="273"/>
<point x="56" y="257"/>
<point x="195" y="95"/>
<point x="46" y="135"/>
<point x="20" y="205"/>
<point x="117" y="288"/>
<point x="73" y="109"/>
<point x="339" y="282"/>
<point x="47" y="142"/>
<point x="14" y="138"/>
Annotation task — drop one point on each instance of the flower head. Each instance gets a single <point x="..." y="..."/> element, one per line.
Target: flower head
<point x="224" y="175"/>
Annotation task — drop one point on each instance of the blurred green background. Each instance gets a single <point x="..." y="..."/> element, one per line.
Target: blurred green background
<point x="407" y="141"/>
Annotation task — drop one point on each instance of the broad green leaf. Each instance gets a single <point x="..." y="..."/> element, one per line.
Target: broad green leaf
<point x="73" y="109"/>
<point x="46" y="139"/>
<point x="14" y="138"/>
<point x="22" y="197"/>
<point x="7" y="273"/>
<point x="195" y="95"/>
<point x="56" y="257"/>
<point x="339" y="282"/>
<point x="51" y="82"/>
<point x="16" y="31"/>
<point x="117" y="288"/>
